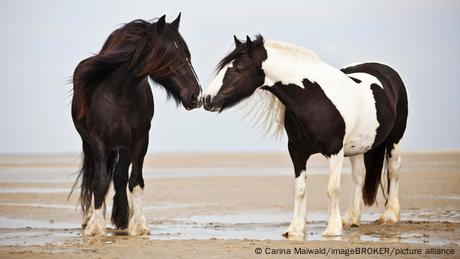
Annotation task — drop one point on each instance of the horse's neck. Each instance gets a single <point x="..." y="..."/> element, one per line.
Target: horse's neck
<point x="291" y="67"/>
<point x="124" y="78"/>
<point x="286" y="70"/>
<point x="288" y="67"/>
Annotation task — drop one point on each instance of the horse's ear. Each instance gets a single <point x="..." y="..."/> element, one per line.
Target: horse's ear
<point x="237" y="41"/>
<point x="249" y="42"/>
<point x="176" y="22"/>
<point x="161" y="23"/>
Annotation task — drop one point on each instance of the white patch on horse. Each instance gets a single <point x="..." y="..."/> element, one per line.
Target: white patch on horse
<point x="297" y="226"/>
<point x="292" y="72"/>
<point x="217" y="83"/>
<point x="137" y="224"/>
<point x="88" y="213"/>
<point x="392" y="214"/>
<point x="96" y="224"/>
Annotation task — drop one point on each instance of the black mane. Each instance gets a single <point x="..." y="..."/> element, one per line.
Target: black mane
<point x="135" y="43"/>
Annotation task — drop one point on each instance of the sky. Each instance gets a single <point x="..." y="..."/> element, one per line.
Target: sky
<point x="43" y="41"/>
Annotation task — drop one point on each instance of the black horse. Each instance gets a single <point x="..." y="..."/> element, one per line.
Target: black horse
<point x="359" y="112"/>
<point x="112" y="108"/>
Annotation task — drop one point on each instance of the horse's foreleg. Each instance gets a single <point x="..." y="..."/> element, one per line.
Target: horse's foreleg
<point x="334" y="225"/>
<point x="296" y="229"/>
<point x="358" y="170"/>
<point x="137" y="224"/>
<point x="100" y="185"/>
<point x="391" y="214"/>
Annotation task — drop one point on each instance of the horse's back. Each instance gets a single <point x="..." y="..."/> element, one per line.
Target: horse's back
<point x="390" y="100"/>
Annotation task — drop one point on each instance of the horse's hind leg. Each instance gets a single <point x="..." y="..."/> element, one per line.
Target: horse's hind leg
<point x="334" y="224"/>
<point x="137" y="224"/>
<point x="358" y="169"/>
<point x="100" y="185"/>
<point x="296" y="229"/>
<point x="120" y="210"/>
<point x="391" y="214"/>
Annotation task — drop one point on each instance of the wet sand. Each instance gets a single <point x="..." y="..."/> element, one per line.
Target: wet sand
<point x="226" y="205"/>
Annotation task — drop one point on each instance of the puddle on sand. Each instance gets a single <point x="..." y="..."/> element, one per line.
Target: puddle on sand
<point x="39" y="237"/>
<point x="258" y="226"/>
<point x="261" y="226"/>
<point x="11" y="223"/>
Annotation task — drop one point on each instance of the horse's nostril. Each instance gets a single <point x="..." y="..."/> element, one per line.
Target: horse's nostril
<point x="207" y="99"/>
<point x="194" y="97"/>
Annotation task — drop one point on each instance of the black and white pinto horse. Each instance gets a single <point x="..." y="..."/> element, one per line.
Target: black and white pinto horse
<point x="359" y="112"/>
<point x="112" y="109"/>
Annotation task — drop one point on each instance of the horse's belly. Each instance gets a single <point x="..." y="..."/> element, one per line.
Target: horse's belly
<point x="358" y="144"/>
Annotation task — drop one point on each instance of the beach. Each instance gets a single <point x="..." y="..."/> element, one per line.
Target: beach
<point x="228" y="206"/>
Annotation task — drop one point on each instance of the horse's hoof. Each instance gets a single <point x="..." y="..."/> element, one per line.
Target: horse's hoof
<point x="139" y="230"/>
<point x="350" y="222"/>
<point x="95" y="226"/>
<point x="389" y="217"/>
<point x="94" y="230"/>
<point x="330" y="232"/>
<point x="298" y="236"/>
<point x="295" y="232"/>
<point x="138" y="227"/>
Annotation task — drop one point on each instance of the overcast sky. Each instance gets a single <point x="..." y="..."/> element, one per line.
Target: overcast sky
<point x="42" y="42"/>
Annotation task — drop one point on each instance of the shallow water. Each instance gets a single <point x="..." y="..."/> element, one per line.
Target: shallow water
<point x="258" y="226"/>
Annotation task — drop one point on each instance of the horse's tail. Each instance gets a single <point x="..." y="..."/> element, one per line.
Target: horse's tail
<point x="374" y="161"/>
<point x="86" y="175"/>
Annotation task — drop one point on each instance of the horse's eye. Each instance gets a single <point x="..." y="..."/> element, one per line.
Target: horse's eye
<point x="239" y="68"/>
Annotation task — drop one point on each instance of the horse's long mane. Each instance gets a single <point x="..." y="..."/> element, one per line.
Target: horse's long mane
<point x="136" y="44"/>
<point x="266" y="112"/>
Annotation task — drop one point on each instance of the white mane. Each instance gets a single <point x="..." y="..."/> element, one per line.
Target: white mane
<point x="266" y="112"/>
<point x="265" y="109"/>
<point x="292" y="49"/>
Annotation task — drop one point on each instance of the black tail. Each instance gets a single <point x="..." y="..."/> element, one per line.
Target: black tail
<point x="373" y="160"/>
<point x="86" y="175"/>
<point x="119" y="167"/>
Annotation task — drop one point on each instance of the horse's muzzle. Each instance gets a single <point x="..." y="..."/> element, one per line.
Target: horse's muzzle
<point x="208" y="105"/>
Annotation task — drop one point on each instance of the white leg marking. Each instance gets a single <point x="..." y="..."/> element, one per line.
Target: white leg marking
<point x="391" y="214"/>
<point x="137" y="224"/>
<point x="353" y="216"/>
<point x="334" y="225"/>
<point x="96" y="224"/>
<point x="88" y="214"/>
<point x="296" y="229"/>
